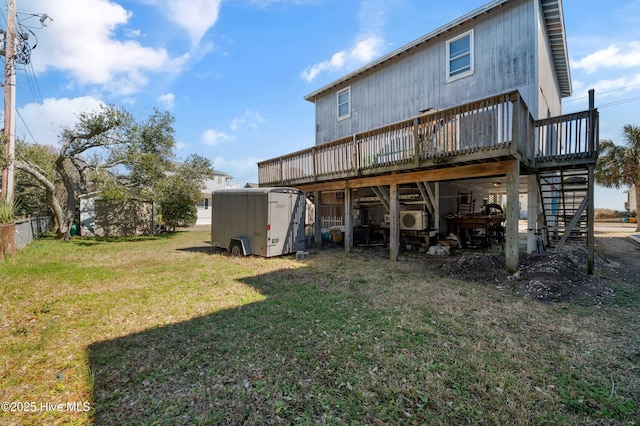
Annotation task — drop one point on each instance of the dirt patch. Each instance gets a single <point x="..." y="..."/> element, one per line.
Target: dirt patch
<point x="625" y="253"/>
<point x="554" y="276"/>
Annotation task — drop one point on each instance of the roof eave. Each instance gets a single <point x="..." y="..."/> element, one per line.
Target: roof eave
<point x="556" y="32"/>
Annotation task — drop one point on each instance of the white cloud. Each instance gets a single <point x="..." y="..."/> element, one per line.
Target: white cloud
<point x="180" y="145"/>
<point x="242" y="169"/>
<point x="362" y="52"/>
<point x="334" y="64"/>
<point x="167" y="100"/>
<point x="213" y="137"/>
<point x="266" y="3"/>
<point x="366" y="50"/>
<point x="612" y="57"/>
<point x="45" y="121"/>
<point x="193" y="16"/>
<point x="251" y="119"/>
<point x="627" y="82"/>
<point x="372" y="15"/>
<point x="81" y="41"/>
<point x="578" y="86"/>
<point x="368" y="43"/>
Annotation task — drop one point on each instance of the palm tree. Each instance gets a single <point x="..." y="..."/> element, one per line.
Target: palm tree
<point x="620" y="165"/>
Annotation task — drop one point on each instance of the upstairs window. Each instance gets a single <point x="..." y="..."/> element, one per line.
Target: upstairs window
<point x="460" y="56"/>
<point x="344" y="103"/>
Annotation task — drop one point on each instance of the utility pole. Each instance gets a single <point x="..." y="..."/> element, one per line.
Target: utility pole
<point x="9" y="103"/>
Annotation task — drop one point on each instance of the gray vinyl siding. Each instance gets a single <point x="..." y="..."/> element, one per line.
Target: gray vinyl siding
<point x="505" y="41"/>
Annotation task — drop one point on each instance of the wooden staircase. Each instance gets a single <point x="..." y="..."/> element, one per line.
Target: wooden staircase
<point x="564" y="195"/>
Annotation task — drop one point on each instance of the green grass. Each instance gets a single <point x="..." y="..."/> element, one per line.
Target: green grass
<point x="169" y="331"/>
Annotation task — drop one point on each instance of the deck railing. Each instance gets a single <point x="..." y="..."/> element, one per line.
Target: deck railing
<point x="567" y="136"/>
<point x="469" y="132"/>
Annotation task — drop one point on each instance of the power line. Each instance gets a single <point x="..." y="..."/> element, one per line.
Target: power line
<point x="603" y="93"/>
<point x="25" y="126"/>
<point x="31" y="86"/>
<point x="620" y="102"/>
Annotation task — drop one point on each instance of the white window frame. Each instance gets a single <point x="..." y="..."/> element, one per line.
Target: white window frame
<point x="340" y="92"/>
<point x="471" y="56"/>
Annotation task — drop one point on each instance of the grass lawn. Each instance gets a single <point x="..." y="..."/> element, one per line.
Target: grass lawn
<point x="167" y="330"/>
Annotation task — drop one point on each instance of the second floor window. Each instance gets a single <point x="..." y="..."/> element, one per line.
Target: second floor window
<point x="460" y="56"/>
<point x="344" y="103"/>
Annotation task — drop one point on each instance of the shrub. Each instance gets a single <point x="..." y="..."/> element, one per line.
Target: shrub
<point x="606" y="214"/>
<point x="8" y="211"/>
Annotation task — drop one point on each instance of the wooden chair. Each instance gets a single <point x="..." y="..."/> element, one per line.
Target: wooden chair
<point x="466" y="203"/>
<point x="495" y="231"/>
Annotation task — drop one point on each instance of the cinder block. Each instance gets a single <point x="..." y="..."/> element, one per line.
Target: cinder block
<point x="301" y="255"/>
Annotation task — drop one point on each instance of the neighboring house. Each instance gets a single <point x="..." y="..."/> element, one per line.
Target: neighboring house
<point x="100" y="218"/>
<point x="631" y="205"/>
<point x="465" y="116"/>
<point x="221" y="180"/>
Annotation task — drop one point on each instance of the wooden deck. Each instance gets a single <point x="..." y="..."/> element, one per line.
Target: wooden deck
<point x="486" y="131"/>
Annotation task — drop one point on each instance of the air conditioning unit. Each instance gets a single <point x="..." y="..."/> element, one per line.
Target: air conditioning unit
<point x="413" y="220"/>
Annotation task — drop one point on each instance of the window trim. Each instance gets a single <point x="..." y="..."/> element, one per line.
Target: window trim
<point x="348" y="114"/>
<point x="450" y="77"/>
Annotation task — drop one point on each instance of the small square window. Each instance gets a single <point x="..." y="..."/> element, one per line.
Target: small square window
<point x="344" y="103"/>
<point x="460" y="56"/>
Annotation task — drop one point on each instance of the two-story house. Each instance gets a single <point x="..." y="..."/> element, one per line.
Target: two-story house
<point x="220" y="180"/>
<point x="465" y="117"/>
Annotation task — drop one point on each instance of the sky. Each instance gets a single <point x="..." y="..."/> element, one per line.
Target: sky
<point x="234" y="73"/>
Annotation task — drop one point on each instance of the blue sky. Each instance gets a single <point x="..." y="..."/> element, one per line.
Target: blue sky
<point x="234" y="72"/>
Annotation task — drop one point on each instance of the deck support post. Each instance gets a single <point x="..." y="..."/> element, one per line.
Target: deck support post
<point x="512" y="217"/>
<point x="348" y="219"/>
<point x="394" y="223"/>
<point x="590" y="221"/>
<point x="317" y="227"/>
<point x="593" y="140"/>
<point x="436" y="207"/>
<point x="532" y="212"/>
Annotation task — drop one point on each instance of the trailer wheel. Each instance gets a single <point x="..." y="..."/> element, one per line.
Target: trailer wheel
<point x="235" y="248"/>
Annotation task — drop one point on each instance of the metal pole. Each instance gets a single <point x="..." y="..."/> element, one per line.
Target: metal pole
<point x="591" y="182"/>
<point x="9" y="104"/>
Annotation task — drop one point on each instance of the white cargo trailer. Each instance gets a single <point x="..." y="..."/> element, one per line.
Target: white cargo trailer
<point x="261" y="221"/>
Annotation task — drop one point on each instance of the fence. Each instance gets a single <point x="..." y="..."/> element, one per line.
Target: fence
<point x="329" y="222"/>
<point x="27" y="230"/>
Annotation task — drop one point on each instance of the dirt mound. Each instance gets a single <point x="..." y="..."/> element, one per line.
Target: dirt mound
<point x="486" y="268"/>
<point x="550" y="276"/>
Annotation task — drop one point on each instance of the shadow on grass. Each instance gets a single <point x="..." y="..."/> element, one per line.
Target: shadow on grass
<point x="252" y="364"/>
<point x="92" y="241"/>
<point x="206" y="249"/>
<point x="318" y="350"/>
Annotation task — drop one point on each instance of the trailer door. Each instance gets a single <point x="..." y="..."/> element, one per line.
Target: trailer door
<point x="278" y="223"/>
<point x="286" y="222"/>
<point x="298" y="205"/>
